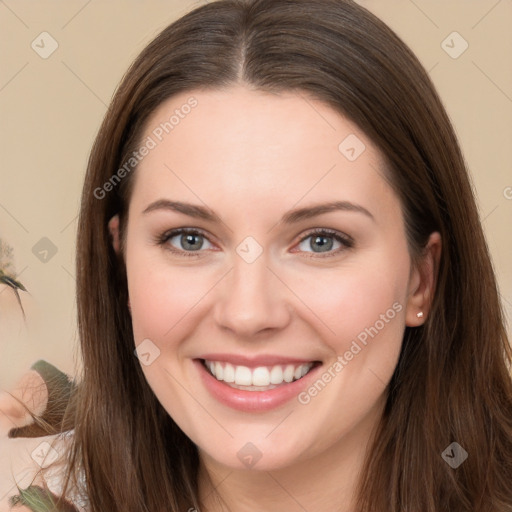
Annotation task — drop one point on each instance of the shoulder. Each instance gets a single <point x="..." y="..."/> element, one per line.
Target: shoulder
<point x="35" y="468"/>
<point x="33" y="464"/>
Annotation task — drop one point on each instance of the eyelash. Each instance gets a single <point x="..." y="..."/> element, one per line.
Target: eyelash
<point x="345" y="240"/>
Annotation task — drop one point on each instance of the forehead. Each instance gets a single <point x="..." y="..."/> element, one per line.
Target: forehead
<point x="251" y="147"/>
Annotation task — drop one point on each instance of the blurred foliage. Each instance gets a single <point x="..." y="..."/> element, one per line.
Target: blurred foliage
<point x="7" y="272"/>
<point x="38" y="499"/>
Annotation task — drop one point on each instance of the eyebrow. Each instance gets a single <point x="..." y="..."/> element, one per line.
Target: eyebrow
<point x="291" y="217"/>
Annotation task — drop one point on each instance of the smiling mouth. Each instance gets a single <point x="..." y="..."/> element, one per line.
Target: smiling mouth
<point x="261" y="378"/>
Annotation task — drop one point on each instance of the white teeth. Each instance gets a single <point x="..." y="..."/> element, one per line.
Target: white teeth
<point x="243" y="376"/>
<point x="229" y="373"/>
<point x="288" y="373"/>
<point x="276" y="375"/>
<point x="219" y="371"/>
<point x="261" y="377"/>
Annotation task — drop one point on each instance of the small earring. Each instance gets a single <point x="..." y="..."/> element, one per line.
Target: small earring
<point x="420" y="314"/>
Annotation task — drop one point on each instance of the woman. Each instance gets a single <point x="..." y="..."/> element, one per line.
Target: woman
<point x="277" y="252"/>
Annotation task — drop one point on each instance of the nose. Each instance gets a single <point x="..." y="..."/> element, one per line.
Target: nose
<point x="251" y="299"/>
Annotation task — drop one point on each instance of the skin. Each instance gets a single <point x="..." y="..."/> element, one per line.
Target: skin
<point x="31" y="390"/>
<point x="251" y="157"/>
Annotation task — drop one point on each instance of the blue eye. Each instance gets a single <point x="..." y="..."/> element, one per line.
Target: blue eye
<point x="191" y="242"/>
<point x="323" y="241"/>
<point x="185" y="240"/>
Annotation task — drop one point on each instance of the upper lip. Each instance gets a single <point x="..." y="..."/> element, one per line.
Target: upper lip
<point x="255" y="361"/>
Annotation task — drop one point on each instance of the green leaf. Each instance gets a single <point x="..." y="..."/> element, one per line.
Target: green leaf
<point x="38" y="499"/>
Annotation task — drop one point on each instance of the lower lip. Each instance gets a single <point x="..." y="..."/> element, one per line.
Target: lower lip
<point x="253" y="401"/>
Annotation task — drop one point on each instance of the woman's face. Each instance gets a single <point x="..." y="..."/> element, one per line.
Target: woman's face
<point x="294" y="259"/>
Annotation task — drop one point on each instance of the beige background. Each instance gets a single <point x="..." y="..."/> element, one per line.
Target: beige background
<point x="50" y="110"/>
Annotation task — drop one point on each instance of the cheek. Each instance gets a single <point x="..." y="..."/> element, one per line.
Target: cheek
<point x="161" y="296"/>
<point x="361" y="312"/>
<point x="347" y="302"/>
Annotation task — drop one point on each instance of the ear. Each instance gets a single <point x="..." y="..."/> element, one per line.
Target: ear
<point x="422" y="282"/>
<point x="113" y="227"/>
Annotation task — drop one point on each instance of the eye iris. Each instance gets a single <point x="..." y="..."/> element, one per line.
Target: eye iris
<point x="194" y="242"/>
<point x="187" y="241"/>
<point x="324" y="242"/>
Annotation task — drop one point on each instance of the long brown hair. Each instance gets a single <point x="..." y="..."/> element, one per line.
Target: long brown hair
<point x="452" y="382"/>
